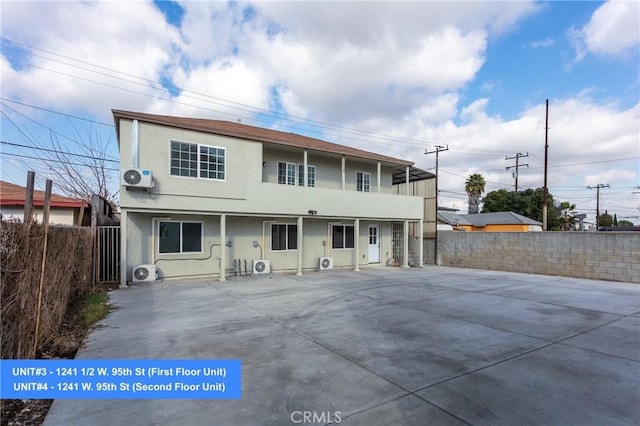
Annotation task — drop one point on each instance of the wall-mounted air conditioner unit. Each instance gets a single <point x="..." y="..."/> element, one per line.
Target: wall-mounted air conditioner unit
<point x="326" y="263"/>
<point x="137" y="178"/>
<point x="261" y="267"/>
<point x="145" y="273"/>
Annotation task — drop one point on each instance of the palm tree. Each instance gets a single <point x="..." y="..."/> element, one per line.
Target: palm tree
<point x="474" y="186"/>
<point x="568" y="216"/>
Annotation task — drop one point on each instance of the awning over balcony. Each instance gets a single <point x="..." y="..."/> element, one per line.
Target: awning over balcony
<point x="399" y="175"/>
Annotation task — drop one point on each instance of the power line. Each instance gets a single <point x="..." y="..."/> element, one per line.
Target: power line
<point x="57" y="112"/>
<point x="210" y="99"/>
<point x="59" y="152"/>
<point x="226" y="103"/>
<point x="597" y="187"/>
<point x="517" y="166"/>
<point x="56" y="161"/>
<point x="37" y="123"/>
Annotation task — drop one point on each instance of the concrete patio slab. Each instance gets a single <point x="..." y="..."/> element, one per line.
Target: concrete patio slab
<point x="382" y="346"/>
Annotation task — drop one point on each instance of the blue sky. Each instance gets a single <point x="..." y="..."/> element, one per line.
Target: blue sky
<point x="395" y="78"/>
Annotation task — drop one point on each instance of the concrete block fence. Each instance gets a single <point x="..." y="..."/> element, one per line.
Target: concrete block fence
<point x="611" y="256"/>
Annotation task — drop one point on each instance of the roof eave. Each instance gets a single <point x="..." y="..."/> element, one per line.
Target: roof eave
<point x="150" y="118"/>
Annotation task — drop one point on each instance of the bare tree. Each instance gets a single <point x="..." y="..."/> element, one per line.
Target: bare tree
<point x="80" y="166"/>
<point x="86" y="170"/>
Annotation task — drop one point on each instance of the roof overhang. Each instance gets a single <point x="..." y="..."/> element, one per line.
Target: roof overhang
<point x="257" y="134"/>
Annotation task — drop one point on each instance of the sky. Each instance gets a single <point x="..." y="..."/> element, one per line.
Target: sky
<point x="396" y="78"/>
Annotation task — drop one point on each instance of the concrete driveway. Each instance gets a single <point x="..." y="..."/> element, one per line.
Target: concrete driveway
<point x="384" y="346"/>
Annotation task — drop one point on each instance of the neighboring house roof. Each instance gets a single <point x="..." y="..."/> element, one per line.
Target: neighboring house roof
<point x="484" y="219"/>
<point x="14" y="195"/>
<point x="228" y="128"/>
<point x="452" y="218"/>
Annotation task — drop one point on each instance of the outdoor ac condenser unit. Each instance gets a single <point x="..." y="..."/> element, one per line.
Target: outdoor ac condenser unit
<point x="145" y="273"/>
<point x="261" y="267"/>
<point x="137" y="178"/>
<point x="326" y="263"/>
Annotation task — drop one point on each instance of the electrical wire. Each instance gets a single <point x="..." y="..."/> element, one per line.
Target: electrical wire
<point x="56" y="112"/>
<point x="39" y="124"/>
<point x="55" y="161"/>
<point x="59" y="152"/>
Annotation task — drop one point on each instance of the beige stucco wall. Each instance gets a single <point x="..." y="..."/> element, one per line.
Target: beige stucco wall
<point x="244" y="191"/>
<point x="142" y="245"/>
<point x="57" y="215"/>
<point x="328" y="168"/>
<point x="251" y="197"/>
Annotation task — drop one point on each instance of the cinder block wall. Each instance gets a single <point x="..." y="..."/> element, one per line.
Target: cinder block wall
<point x="597" y="255"/>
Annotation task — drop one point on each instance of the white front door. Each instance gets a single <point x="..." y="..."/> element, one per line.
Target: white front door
<point x="374" y="244"/>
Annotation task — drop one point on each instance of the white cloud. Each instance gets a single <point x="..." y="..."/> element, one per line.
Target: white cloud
<point x="131" y="38"/>
<point x="543" y="43"/>
<point x="614" y="29"/>
<point x="391" y="58"/>
<point x="581" y="131"/>
<point x="610" y="175"/>
<point x="228" y="79"/>
<point x="397" y="69"/>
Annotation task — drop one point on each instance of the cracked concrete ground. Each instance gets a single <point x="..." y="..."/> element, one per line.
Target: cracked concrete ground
<point x="383" y="346"/>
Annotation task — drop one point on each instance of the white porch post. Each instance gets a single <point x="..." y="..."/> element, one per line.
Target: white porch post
<point x="306" y="169"/>
<point x="405" y="261"/>
<point x="223" y="246"/>
<point x="421" y="240"/>
<point x="356" y="245"/>
<point x="344" y="173"/>
<point x="123" y="248"/>
<point x="300" y="240"/>
<point x="379" y="170"/>
<point x="408" y="180"/>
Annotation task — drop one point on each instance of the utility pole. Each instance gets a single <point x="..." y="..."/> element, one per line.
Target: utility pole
<point x="439" y="148"/>
<point x="546" y="157"/>
<point x="517" y="158"/>
<point x="597" y="187"/>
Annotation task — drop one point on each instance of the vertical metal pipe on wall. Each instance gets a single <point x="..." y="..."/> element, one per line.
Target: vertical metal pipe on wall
<point x="356" y="244"/>
<point x="223" y="247"/>
<point x="135" y="143"/>
<point x="300" y="240"/>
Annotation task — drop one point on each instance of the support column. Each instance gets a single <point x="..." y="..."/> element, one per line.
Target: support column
<point x="306" y="170"/>
<point x="405" y="261"/>
<point x="407" y="173"/>
<point x="123" y="248"/>
<point x="421" y="240"/>
<point x="356" y="245"/>
<point x="300" y="239"/>
<point x="344" y="173"/>
<point x="379" y="171"/>
<point x="223" y="247"/>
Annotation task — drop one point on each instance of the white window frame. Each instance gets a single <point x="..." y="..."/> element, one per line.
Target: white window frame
<point x="181" y="222"/>
<point x="311" y="175"/>
<point x="361" y="185"/>
<point x="287" y="176"/>
<point x="297" y="179"/>
<point x="344" y="235"/>
<point x="287" y="225"/>
<point x="199" y="169"/>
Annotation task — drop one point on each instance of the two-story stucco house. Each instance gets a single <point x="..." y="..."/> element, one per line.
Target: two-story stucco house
<point x="204" y="198"/>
